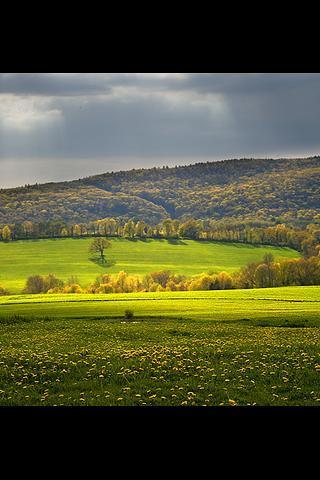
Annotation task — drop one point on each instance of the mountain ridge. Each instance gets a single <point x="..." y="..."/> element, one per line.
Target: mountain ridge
<point x="285" y="189"/>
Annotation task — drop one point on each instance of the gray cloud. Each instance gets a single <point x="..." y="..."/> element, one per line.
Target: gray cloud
<point x="86" y="119"/>
<point x="68" y="84"/>
<point x="53" y="84"/>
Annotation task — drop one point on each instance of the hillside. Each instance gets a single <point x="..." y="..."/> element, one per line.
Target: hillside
<point x="267" y="189"/>
<point x="73" y="204"/>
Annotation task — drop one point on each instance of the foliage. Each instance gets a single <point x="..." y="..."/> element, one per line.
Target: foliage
<point x="67" y="203"/>
<point x="99" y="245"/>
<point x="42" y="284"/>
<point x="254" y="232"/>
<point x="282" y="190"/>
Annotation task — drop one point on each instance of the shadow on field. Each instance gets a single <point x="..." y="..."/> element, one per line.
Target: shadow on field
<point x="106" y="263"/>
<point x="287" y="323"/>
<point x="176" y="241"/>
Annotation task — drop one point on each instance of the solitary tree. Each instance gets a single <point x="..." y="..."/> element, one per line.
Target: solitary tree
<point x="98" y="246"/>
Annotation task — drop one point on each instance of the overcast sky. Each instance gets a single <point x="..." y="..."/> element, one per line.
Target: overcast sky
<point x="65" y="126"/>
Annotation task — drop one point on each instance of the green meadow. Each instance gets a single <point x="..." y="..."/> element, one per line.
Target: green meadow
<point x="266" y="304"/>
<point x="213" y="348"/>
<point x="67" y="257"/>
<point x="194" y="348"/>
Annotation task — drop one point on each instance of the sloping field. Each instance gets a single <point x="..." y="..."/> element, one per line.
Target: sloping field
<point x="67" y="257"/>
<point x="278" y="304"/>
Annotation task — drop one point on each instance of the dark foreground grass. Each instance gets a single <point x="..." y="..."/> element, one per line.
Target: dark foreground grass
<point x="157" y="361"/>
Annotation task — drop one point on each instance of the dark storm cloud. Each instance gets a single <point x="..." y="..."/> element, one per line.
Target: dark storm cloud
<point x="99" y="116"/>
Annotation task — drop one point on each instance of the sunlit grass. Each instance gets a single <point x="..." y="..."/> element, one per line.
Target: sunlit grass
<point x="67" y="257"/>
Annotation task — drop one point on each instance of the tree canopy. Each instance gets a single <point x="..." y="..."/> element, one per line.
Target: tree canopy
<point x="99" y="245"/>
<point x="283" y="190"/>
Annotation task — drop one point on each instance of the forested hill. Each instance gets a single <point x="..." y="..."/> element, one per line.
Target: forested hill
<point x="286" y="190"/>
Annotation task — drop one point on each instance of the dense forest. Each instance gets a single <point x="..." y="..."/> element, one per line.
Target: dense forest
<point x="265" y="190"/>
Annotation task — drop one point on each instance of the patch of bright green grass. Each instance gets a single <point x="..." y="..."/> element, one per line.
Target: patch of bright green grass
<point x="66" y="257"/>
<point x="270" y="304"/>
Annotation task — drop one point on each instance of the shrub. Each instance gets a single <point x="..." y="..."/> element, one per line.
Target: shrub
<point x="225" y="281"/>
<point x="42" y="284"/>
<point x="34" y="284"/>
<point x="74" y="288"/>
<point x="128" y="314"/>
<point x="51" y="281"/>
<point x="105" y="288"/>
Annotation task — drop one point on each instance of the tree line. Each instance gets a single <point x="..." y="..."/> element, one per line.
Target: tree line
<point x="305" y="240"/>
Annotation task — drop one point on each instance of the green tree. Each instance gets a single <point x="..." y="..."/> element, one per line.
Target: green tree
<point x="98" y="246"/>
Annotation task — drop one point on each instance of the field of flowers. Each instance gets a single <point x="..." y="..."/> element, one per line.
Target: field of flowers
<point x="101" y="362"/>
<point x="218" y="354"/>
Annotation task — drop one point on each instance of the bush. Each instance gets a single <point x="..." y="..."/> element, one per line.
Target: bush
<point x="128" y="314"/>
<point x="34" y="284"/>
<point x="51" y="281"/>
<point x="42" y="284"/>
<point x="105" y="288"/>
<point x="73" y="288"/>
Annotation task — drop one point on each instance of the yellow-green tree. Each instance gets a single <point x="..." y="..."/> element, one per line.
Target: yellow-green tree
<point x="129" y="229"/>
<point x="6" y="233"/>
<point x="76" y="230"/>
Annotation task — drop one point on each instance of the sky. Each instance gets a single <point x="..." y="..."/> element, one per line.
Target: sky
<point x="62" y="126"/>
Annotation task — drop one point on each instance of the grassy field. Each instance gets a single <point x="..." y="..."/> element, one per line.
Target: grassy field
<point x="66" y="257"/>
<point x="267" y="304"/>
<point x="240" y="347"/>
